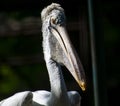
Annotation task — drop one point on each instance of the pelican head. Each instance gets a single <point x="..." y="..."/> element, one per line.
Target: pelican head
<point x="60" y="47"/>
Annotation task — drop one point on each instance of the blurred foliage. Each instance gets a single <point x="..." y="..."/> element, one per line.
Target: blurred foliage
<point x="8" y="79"/>
<point x="111" y="33"/>
<point x="19" y="46"/>
<point x="112" y="39"/>
<point x="19" y="15"/>
<point x="25" y="76"/>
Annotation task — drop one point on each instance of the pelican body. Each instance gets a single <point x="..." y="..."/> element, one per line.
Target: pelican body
<point x="58" y="51"/>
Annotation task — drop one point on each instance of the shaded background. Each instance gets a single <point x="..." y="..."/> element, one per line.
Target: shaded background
<point x="22" y="66"/>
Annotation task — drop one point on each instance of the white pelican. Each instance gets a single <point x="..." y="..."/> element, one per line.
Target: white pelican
<point x="58" y="51"/>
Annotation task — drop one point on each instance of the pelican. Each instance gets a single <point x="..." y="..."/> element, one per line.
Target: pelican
<point x="58" y="50"/>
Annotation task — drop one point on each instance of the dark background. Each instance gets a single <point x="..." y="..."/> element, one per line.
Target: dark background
<point x="22" y="66"/>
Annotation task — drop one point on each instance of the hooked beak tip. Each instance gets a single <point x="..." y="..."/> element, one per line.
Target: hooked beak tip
<point x="82" y="85"/>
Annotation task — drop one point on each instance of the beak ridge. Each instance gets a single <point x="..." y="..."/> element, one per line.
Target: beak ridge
<point x="76" y="69"/>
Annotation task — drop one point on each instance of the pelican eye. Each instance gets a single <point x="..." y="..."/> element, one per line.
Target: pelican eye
<point x="56" y="21"/>
<point x="53" y="21"/>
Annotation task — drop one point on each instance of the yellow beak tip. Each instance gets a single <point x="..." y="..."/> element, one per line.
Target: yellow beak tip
<point x="83" y="86"/>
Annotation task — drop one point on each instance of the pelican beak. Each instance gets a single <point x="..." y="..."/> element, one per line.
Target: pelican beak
<point x="75" y="67"/>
